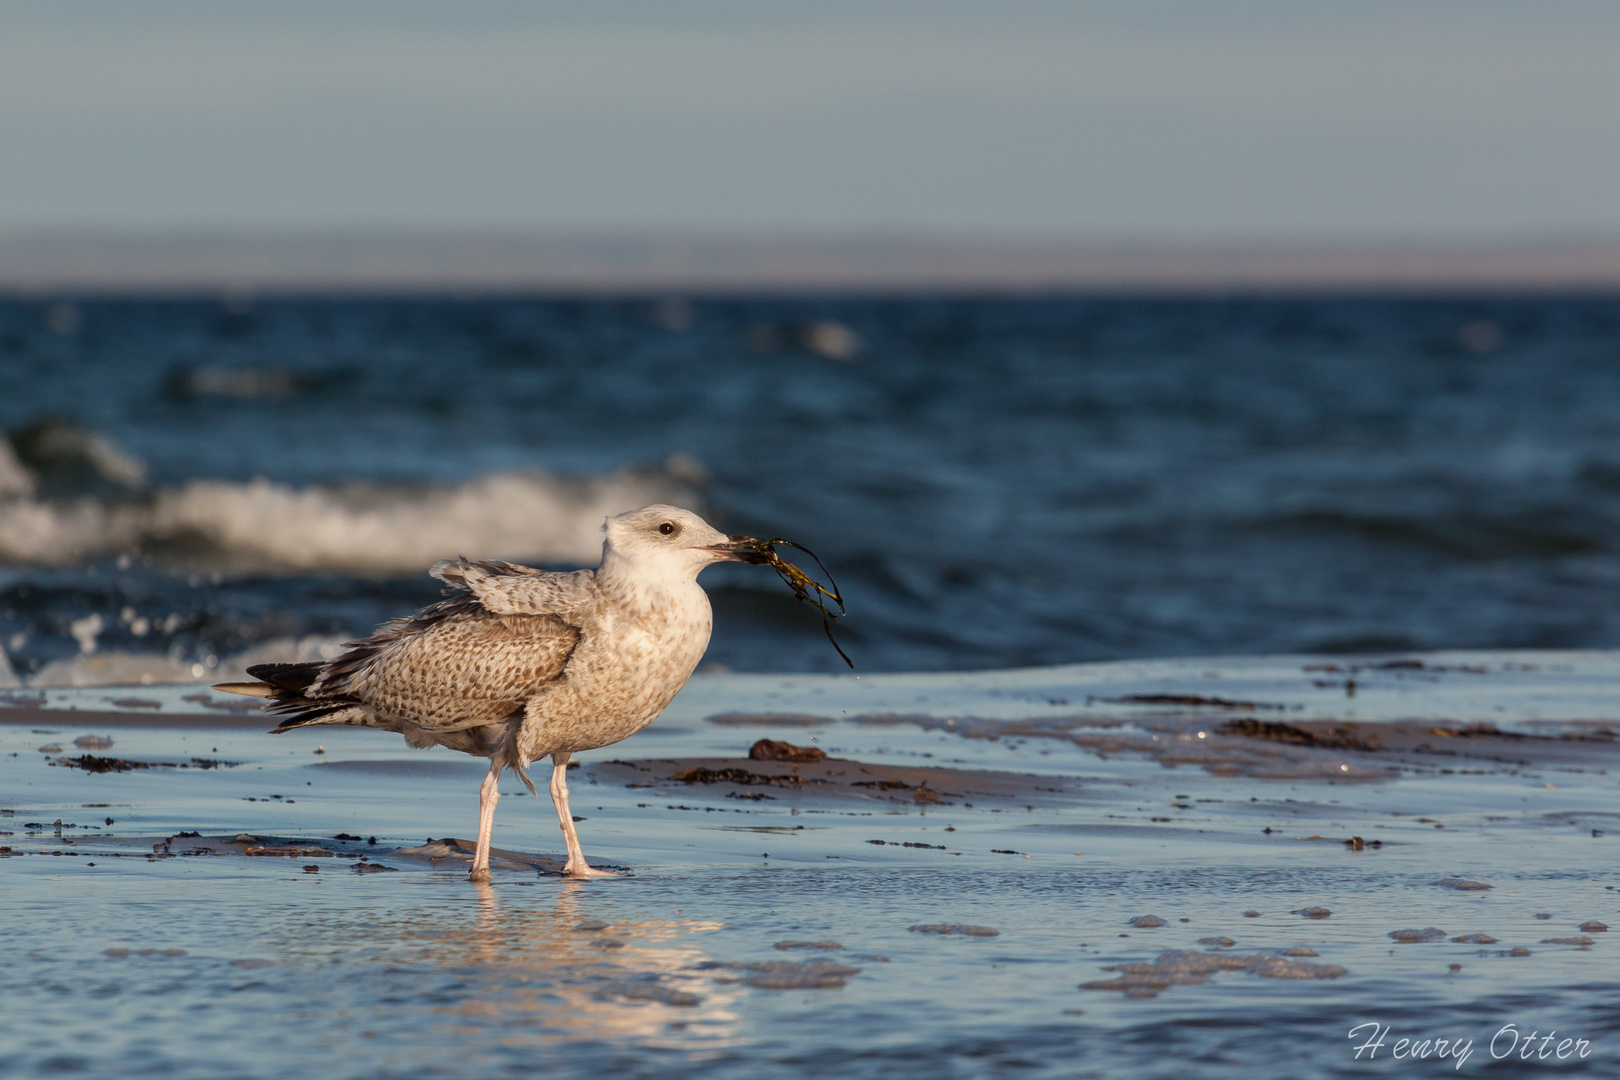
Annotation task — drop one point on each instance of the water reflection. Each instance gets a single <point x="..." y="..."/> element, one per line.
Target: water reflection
<point x="512" y="963"/>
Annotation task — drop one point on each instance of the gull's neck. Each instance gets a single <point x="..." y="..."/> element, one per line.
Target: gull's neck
<point x="643" y="585"/>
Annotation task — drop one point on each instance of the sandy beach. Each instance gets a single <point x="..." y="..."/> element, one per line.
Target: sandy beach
<point x="1092" y="870"/>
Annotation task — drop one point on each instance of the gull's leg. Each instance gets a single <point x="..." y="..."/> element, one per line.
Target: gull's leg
<point x="488" y="796"/>
<point x="576" y="865"/>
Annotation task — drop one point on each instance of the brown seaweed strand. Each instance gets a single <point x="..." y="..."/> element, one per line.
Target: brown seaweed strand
<point x="802" y="585"/>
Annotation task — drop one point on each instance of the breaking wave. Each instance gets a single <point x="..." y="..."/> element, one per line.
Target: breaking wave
<point x="261" y="525"/>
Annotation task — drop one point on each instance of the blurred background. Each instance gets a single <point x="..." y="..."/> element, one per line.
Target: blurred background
<point x="1060" y="331"/>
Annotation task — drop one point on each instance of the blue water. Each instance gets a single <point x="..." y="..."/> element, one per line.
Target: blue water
<point x="994" y="482"/>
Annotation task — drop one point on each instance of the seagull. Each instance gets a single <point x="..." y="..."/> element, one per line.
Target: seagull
<point x="518" y="663"/>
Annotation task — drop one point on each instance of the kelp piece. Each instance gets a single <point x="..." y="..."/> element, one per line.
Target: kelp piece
<point x="805" y="588"/>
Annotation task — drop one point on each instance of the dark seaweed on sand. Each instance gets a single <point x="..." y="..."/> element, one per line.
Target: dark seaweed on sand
<point x="806" y="588"/>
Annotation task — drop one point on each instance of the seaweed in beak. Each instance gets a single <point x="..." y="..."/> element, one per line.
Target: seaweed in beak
<point x="805" y="588"/>
<point x="747" y="549"/>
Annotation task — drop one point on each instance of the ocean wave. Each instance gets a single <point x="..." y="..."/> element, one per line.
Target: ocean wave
<point x="119" y="667"/>
<point x="261" y="525"/>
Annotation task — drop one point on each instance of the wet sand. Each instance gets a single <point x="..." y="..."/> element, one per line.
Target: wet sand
<point x="988" y="874"/>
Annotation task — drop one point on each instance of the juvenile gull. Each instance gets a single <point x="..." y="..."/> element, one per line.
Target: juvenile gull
<point x="523" y="663"/>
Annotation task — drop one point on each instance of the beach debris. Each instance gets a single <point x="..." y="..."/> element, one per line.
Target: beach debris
<point x="1312" y="912"/>
<point x="824" y="946"/>
<point x="1183" y="968"/>
<point x="365" y="866"/>
<point x="965" y="929"/>
<point x="1331" y="739"/>
<point x="92" y="742"/>
<point x="806" y="589"/>
<point x="1408" y="937"/>
<point x="807" y="975"/>
<point x="774" y="750"/>
<point x="1300" y="950"/>
<point x="787" y="975"/>
<point x="588" y="926"/>
<point x="290" y="851"/>
<point x="1475" y="939"/>
<point x="1462" y="884"/>
<point x="1251" y="914"/>
<point x="1582" y="941"/>
<point x="1543" y="915"/>
<point x="1220" y="942"/>
<point x="50" y="748"/>
<point x="1520" y="951"/>
<point x="649" y="988"/>
<point x="770" y="720"/>
<point x="1593" y="927"/>
<point x="605" y="943"/>
<point x="1194" y="700"/>
<point x="94" y="764"/>
<point x="1146" y="922"/>
<point x="700" y="775"/>
<point x="1276" y="967"/>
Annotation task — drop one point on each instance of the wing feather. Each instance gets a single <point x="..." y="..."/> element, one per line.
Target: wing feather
<point x="475" y="658"/>
<point x="508" y="589"/>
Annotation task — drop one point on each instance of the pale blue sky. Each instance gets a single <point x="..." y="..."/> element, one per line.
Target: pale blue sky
<point x="1142" y="119"/>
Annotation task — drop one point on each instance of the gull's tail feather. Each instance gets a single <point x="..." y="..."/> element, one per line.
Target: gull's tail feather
<point x="323" y="712"/>
<point x="246" y="689"/>
<point x="285" y="686"/>
<point x="288" y="678"/>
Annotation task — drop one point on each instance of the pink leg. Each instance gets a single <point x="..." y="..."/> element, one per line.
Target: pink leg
<point x="488" y="796"/>
<point x="576" y="865"/>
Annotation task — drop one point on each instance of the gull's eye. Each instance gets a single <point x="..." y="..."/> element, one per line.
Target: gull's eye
<point x="667" y="528"/>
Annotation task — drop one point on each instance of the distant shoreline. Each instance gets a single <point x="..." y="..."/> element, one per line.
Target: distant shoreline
<point x="49" y="264"/>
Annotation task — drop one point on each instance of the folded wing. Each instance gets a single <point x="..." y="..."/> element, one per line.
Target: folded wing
<point x="471" y="660"/>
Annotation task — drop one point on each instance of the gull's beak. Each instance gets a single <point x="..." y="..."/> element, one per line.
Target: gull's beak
<point x="739" y="549"/>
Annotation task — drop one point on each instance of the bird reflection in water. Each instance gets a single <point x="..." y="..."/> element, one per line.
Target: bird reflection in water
<point x="525" y="973"/>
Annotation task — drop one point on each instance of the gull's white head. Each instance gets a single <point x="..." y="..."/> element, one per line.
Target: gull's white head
<point x="670" y="544"/>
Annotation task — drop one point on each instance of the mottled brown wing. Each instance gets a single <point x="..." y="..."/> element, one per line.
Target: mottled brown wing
<point x="461" y="668"/>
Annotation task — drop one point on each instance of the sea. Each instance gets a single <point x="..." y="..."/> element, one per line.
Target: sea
<point x="993" y="482"/>
<point x="1257" y="655"/>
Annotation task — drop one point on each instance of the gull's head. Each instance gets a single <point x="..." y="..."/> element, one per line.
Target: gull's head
<point x="666" y="542"/>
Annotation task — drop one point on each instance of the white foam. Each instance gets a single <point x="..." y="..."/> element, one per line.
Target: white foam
<point x="15" y="479"/>
<point x="8" y="677"/>
<point x="114" y="668"/>
<point x="117" y="667"/>
<point x="263" y="525"/>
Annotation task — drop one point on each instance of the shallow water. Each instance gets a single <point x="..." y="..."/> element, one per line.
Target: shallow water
<point x="418" y="973"/>
<point x="994" y="482"/>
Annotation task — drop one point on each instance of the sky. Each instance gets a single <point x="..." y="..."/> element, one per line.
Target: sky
<point x="1155" y="120"/>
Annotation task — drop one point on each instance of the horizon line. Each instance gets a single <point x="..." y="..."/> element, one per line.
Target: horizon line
<point x="361" y="260"/>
